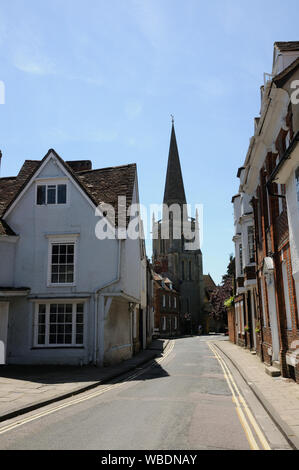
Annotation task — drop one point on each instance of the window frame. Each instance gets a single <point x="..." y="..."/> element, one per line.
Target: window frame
<point x="241" y="268"/>
<point x="52" y="182"/>
<point x="63" y="240"/>
<point x="251" y="244"/>
<point x="48" y="303"/>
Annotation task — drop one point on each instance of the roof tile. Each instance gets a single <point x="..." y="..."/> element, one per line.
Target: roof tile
<point x="102" y="185"/>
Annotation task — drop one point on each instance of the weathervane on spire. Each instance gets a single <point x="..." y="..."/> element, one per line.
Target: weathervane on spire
<point x="172" y="118"/>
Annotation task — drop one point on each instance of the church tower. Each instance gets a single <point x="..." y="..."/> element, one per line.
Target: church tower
<point x="173" y="254"/>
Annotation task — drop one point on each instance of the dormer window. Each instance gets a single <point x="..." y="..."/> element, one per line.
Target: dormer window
<point x="49" y="194"/>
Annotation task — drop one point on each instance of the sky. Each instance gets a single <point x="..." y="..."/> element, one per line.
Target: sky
<point x="99" y="80"/>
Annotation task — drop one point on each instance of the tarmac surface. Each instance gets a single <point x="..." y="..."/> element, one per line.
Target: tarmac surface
<point x="189" y="398"/>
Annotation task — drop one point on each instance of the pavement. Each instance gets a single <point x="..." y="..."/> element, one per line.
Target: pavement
<point x="279" y="396"/>
<point x="26" y="388"/>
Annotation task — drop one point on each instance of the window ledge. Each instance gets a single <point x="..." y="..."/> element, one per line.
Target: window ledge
<point x="57" y="347"/>
<point x="61" y="285"/>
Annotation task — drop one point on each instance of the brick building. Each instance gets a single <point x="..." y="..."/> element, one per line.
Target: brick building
<point x="245" y="306"/>
<point x="166" y="307"/>
<point x="269" y="187"/>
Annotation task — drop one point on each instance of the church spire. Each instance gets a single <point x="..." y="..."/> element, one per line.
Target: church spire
<point x="174" y="192"/>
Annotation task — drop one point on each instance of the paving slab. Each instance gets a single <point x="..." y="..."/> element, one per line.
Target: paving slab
<point x="279" y="397"/>
<point x="25" y="388"/>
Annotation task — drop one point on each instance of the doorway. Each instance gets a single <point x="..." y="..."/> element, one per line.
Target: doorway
<point x="273" y="319"/>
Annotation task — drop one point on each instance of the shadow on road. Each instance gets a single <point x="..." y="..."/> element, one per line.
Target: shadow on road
<point x="59" y="374"/>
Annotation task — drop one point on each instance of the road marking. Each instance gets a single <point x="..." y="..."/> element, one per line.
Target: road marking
<point x="253" y="421"/>
<point x="251" y="440"/>
<point x="240" y="403"/>
<point x="75" y="401"/>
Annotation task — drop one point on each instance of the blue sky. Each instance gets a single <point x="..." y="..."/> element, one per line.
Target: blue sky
<point x="99" y="79"/>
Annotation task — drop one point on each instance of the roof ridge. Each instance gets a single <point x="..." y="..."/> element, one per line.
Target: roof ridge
<point x="107" y="168"/>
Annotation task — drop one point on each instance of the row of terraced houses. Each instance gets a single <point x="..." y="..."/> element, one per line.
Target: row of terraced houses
<point x="265" y="316"/>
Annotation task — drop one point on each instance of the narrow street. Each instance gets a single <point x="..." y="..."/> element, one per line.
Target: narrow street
<point x="184" y="401"/>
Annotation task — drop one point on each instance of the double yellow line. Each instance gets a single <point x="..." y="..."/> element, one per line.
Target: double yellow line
<point x="242" y="407"/>
<point x="41" y="414"/>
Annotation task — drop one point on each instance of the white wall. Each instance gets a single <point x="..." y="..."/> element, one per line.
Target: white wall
<point x="293" y="218"/>
<point x="7" y="262"/>
<point x="97" y="265"/>
<point x="97" y="259"/>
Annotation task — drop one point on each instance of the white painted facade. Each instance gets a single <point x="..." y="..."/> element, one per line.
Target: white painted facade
<point x="108" y="275"/>
<point x="287" y="175"/>
<point x="243" y="221"/>
<point x="275" y="102"/>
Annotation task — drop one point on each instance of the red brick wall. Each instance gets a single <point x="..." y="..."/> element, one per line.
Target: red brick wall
<point x="231" y="324"/>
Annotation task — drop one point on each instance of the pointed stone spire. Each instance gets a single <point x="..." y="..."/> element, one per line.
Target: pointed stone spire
<point x="174" y="192"/>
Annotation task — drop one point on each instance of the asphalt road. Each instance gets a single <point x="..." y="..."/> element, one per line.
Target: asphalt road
<point x="191" y="399"/>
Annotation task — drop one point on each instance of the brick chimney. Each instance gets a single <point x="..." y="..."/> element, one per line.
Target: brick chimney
<point x="80" y="165"/>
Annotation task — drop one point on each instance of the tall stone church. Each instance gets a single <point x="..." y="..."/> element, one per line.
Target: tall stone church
<point x="173" y="255"/>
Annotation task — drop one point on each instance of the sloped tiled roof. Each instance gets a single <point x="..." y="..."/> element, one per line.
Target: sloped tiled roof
<point x="102" y="185"/>
<point x="107" y="184"/>
<point x="158" y="279"/>
<point x="7" y="191"/>
<point x="157" y="276"/>
<point x="285" y="46"/>
<point x="208" y="282"/>
<point x="28" y="168"/>
<point x="283" y="76"/>
<point x="11" y="185"/>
